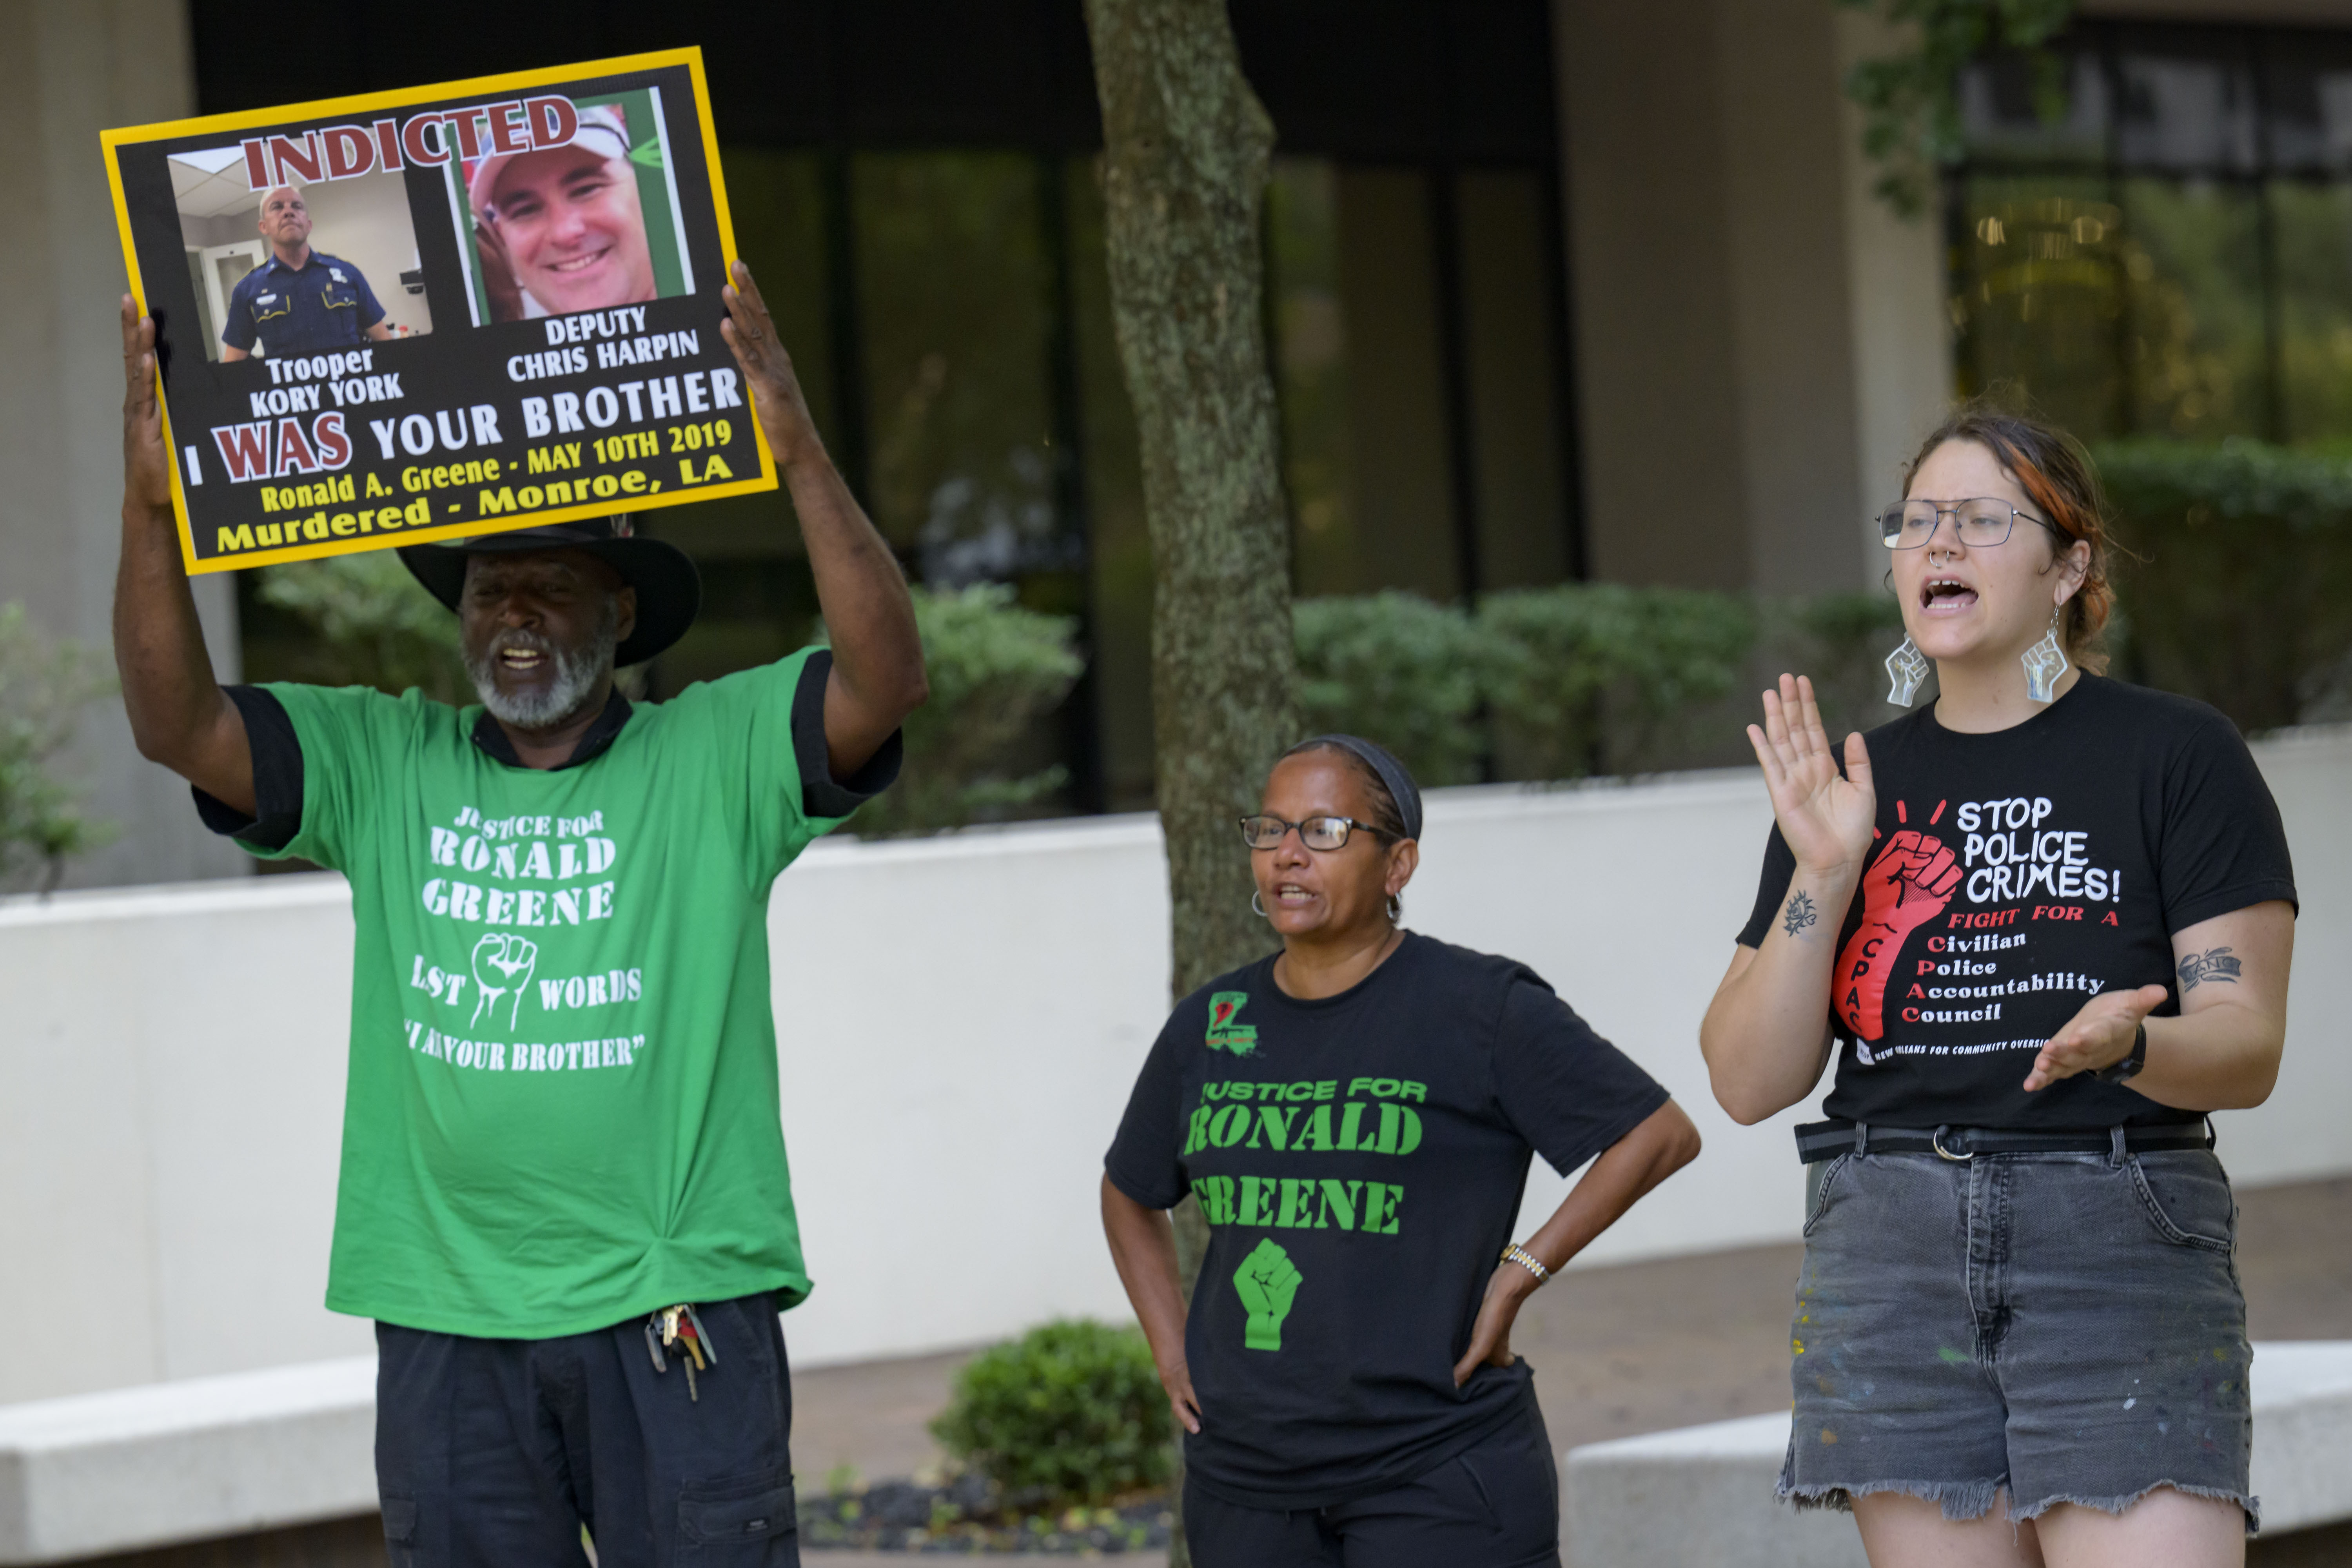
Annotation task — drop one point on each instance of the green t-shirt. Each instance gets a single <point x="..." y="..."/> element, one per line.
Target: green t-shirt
<point x="563" y="1107"/>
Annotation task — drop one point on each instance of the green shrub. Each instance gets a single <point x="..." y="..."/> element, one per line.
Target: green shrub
<point x="1577" y="678"/>
<point x="1589" y="677"/>
<point x="1397" y="670"/>
<point x="1071" y="1410"/>
<point x="45" y="683"/>
<point x="372" y="625"/>
<point x="1841" y="640"/>
<point x="2238" y="587"/>
<point x="995" y="669"/>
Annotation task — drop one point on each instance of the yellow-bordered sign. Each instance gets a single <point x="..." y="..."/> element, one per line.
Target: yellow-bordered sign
<point x="442" y="311"/>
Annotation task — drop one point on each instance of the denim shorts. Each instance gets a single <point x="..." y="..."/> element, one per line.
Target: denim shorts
<point x="2067" y="1326"/>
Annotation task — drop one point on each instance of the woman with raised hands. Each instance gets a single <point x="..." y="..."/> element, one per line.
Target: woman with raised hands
<point x="2043" y="925"/>
<point x="1355" y="1112"/>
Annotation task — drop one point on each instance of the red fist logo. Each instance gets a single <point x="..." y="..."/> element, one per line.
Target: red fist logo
<point x="1907" y="885"/>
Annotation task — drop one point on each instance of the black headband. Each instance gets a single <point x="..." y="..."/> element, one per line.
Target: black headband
<point x="1401" y="787"/>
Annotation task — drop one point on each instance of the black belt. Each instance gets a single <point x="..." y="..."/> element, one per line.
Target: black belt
<point x="1818" y="1140"/>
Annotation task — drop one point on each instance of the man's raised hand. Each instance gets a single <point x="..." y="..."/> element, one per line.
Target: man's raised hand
<point x="768" y="370"/>
<point x="1825" y="819"/>
<point x="146" y="471"/>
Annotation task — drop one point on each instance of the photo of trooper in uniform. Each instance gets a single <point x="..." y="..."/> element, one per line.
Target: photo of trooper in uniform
<point x="301" y="301"/>
<point x="267" y="287"/>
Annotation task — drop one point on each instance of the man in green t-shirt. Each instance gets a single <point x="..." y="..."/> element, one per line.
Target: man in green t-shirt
<point x="564" y="1196"/>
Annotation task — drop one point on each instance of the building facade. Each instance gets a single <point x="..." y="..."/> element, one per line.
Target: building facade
<point x="1556" y="290"/>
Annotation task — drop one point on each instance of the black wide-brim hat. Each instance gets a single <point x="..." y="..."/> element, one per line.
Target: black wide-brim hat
<point x="669" y="590"/>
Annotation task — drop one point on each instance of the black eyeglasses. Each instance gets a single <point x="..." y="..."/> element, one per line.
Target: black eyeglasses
<point x="1316" y="832"/>
<point x="1981" y="521"/>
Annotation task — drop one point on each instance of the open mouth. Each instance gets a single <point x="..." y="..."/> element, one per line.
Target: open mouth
<point x="1946" y="595"/>
<point x="580" y="263"/>
<point x="1291" y="896"/>
<point x="521" y="661"/>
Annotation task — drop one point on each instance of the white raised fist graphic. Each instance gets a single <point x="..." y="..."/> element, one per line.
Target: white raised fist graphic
<point x="502" y="963"/>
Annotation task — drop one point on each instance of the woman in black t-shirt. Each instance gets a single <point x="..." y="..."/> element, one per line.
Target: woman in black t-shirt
<point x="1355" y="1114"/>
<point x="2043" y="925"/>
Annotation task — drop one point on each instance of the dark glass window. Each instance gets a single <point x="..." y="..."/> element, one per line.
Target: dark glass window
<point x="914" y="184"/>
<point x="1415" y="327"/>
<point x="2170" y="252"/>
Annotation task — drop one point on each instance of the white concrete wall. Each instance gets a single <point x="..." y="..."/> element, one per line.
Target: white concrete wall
<point x="960" y="1022"/>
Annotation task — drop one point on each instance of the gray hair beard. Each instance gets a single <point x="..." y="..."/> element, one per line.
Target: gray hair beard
<point x="576" y="672"/>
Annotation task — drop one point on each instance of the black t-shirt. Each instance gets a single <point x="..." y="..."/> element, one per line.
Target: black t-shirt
<point x="2017" y="875"/>
<point x="1360" y="1160"/>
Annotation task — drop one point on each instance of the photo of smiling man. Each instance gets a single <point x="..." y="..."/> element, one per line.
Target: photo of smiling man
<point x="564" y="229"/>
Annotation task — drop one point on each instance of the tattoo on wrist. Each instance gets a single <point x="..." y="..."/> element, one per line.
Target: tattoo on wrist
<point x="1799" y="913"/>
<point x="2213" y="964"/>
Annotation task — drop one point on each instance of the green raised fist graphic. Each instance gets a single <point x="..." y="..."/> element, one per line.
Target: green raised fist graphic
<point x="1267" y="1281"/>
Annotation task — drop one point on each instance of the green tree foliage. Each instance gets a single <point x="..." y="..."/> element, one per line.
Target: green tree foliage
<point x="45" y="683"/>
<point x="994" y="667"/>
<point x="1071" y="1412"/>
<point x="1400" y="669"/>
<point x="2238" y="588"/>
<point x="1910" y="99"/>
<point x="372" y="625"/>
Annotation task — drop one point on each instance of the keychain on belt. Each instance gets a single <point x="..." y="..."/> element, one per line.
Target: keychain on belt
<point x="681" y="1329"/>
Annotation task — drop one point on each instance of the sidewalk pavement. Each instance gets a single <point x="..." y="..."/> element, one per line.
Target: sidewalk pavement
<point x="1638" y="1347"/>
<point x="1635" y="1348"/>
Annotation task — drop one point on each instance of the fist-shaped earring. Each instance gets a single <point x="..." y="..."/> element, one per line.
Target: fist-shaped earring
<point x="2044" y="662"/>
<point x="1907" y="667"/>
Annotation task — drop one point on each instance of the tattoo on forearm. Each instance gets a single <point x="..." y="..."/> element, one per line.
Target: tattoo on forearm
<point x="2215" y="965"/>
<point x="1800" y="914"/>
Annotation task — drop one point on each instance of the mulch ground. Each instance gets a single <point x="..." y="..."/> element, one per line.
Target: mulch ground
<point x="968" y="1517"/>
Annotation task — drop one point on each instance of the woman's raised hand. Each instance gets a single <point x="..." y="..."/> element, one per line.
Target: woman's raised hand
<point x="1825" y="819"/>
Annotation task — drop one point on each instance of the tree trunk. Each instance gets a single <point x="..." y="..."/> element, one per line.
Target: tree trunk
<point x="1185" y="172"/>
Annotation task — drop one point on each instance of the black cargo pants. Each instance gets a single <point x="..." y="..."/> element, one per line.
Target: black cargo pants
<point x="495" y="1453"/>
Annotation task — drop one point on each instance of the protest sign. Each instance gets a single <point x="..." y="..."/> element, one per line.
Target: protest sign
<point x="442" y="311"/>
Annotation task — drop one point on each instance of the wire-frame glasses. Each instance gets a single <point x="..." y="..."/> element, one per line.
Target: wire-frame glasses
<point x="1981" y="522"/>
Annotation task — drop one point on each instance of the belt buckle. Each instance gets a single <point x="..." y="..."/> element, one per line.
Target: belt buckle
<point x="1936" y="1141"/>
